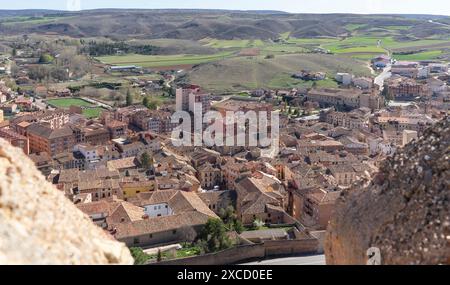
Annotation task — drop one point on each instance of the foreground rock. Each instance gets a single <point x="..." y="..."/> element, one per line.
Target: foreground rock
<point x="404" y="211"/>
<point x="38" y="225"/>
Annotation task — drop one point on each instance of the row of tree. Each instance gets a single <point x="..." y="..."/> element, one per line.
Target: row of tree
<point x="94" y="48"/>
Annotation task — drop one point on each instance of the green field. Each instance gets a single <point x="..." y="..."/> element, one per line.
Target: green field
<point x="67" y="102"/>
<point x="426" y="55"/>
<point x="89" y="110"/>
<point x="91" y="113"/>
<point x="31" y="20"/>
<point x="226" y="72"/>
<point x="361" y="49"/>
<point x="282" y="48"/>
<point x="352" y="27"/>
<point x="163" y="60"/>
<point x="225" y="44"/>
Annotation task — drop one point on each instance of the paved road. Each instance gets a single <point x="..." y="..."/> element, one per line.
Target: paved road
<point x="438" y="23"/>
<point x="299" y="260"/>
<point x="379" y="80"/>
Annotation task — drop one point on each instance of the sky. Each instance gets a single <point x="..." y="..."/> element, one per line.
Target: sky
<point x="436" y="7"/>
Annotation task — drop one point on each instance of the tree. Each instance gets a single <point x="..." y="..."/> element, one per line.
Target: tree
<point x="172" y="92"/>
<point x="229" y="217"/>
<point x="159" y="256"/>
<point x="140" y="257"/>
<point x="145" y="101"/>
<point x="258" y="224"/>
<point x="146" y="161"/>
<point x="46" y="58"/>
<point x="386" y="93"/>
<point x="14" y="52"/>
<point x="239" y="227"/>
<point x="129" y="98"/>
<point x="214" y="236"/>
<point x="227" y="214"/>
<point x="152" y="105"/>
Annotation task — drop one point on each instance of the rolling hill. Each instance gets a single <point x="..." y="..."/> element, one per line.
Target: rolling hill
<point x="199" y="24"/>
<point x="233" y="74"/>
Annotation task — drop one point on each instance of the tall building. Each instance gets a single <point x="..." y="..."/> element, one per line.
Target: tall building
<point x="187" y="97"/>
<point x="182" y="96"/>
<point x="202" y="98"/>
<point x="42" y="138"/>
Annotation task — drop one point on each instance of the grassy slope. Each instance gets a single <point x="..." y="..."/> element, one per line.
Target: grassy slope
<point x="233" y="74"/>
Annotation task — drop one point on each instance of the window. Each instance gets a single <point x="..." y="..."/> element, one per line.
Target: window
<point x="150" y="236"/>
<point x="174" y="232"/>
<point x="136" y="241"/>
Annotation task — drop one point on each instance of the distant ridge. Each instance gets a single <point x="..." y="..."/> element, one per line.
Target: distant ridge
<point x="196" y="24"/>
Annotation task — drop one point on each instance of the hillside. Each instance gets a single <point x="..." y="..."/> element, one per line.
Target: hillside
<point x="199" y="24"/>
<point x="404" y="211"/>
<point x="257" y="72"/>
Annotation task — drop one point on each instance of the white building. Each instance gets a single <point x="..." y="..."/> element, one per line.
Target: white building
<point x="408" y="136"/>
<point x="423" y="72"/>
<point x="378" y="145"/>
<point x="344" y="78"/>
<point x="158" y="210"/>
<point x="89" y="152"/>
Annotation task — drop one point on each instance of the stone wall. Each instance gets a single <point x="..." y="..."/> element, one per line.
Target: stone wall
<point x="403" y="214"/>
<point x="248" y="252"/>
<point x="38" y="225"/>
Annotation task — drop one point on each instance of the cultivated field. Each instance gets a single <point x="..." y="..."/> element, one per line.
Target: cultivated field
<point x="163" y="60"/>
<point x="228" y="51"/>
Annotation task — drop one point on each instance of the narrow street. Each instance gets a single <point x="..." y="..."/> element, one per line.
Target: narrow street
<point x="379" y="80"/>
